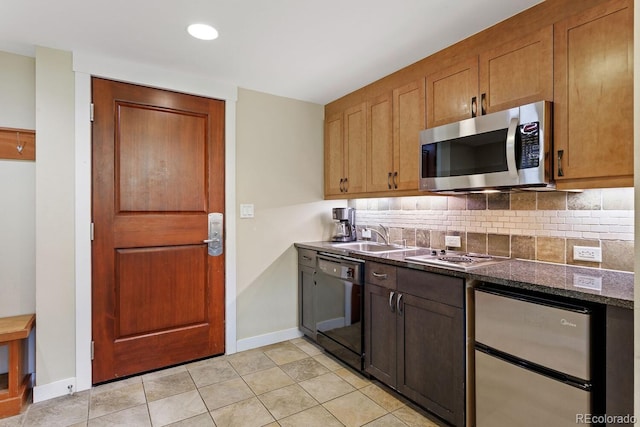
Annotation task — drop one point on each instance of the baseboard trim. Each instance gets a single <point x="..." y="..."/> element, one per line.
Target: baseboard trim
<point x="54" y="389"/>
<point x="266" y="339"/>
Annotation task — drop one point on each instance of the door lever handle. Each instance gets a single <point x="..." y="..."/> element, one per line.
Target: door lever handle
<point x="214" y="239"/>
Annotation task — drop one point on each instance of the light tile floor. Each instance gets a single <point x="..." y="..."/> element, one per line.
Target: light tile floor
<point x="293" y="383"/>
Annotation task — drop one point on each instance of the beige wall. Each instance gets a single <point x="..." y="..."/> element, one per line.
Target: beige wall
<point x="17" y="190"/>
<point x="17" y="194"/>
<point x="55" y="287"/>
<point x="279" y="171"/>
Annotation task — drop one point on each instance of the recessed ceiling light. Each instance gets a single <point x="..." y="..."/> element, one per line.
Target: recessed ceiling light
<point x="202" y="31"/>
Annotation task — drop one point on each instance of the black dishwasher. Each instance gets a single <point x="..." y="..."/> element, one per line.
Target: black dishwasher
<point x="338" y="307"/>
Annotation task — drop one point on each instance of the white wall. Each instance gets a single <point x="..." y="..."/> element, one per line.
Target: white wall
<point x="279" y="171"/>
<point x="55" y="203"/>
<point x="17" y="194"/>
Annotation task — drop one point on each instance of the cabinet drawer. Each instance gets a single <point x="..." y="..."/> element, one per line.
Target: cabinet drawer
<point x="380" y="274"/>
<point x="432" y="286"/>
<point x="307" y="257"/>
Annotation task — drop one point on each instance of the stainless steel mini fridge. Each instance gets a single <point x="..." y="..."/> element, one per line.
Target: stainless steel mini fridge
<point x="532" y="361"/>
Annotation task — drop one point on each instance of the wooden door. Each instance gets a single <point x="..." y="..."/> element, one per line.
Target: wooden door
<point x="408" y="120"/>
<point x="593" y="97"/>
<point x="450" y="93"/>
<point x="158" y="170"/>
<point x="380" y="333"/>
<point x="333" y="155"/>
<point x="518" y="72"/>
<point x="380" y="143"/>
<point x="355" y="148"/>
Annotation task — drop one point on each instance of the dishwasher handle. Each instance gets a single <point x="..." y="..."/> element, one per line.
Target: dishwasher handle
<point x="341" y="268"/>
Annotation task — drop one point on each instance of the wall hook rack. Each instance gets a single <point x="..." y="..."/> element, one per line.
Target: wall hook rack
<point x="17" y="144"/>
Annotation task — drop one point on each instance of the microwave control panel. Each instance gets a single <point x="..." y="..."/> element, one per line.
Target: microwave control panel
<point x="530" y="145"/>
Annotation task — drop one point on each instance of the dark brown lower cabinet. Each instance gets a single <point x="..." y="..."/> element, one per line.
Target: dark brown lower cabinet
<point x="415" y="338"/>
<point x="619" y="362"/>
<point x="306" y="292"/>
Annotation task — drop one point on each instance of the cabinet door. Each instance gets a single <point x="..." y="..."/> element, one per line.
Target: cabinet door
<point x="306" y="290"/>
<point x="333" y="155"/>
<point x="380" y="333"/>
<point x="355" y="146"/>
<point x="450" y="93"/>
<point x="408" y="120"/>
<point x="593" y="97"/>
<point x="517" y="73"/>
<point x="431" y="348"/>
<point x="379" y="144"/>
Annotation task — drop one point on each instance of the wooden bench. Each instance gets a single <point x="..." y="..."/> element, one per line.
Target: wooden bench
<point x="16" y="384"/>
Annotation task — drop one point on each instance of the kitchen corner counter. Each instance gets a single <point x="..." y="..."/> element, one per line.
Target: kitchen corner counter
<point x="608" y="287"/>
<point x="590" y="284"/>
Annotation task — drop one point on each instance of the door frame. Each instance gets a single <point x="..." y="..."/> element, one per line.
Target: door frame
<point x="86" y="66"/>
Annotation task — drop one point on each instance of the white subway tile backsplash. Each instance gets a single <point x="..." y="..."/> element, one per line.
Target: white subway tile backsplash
<point x="575" y="217"/>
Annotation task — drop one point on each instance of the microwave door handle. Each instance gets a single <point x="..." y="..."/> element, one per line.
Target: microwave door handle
<point x="511" y="148"/>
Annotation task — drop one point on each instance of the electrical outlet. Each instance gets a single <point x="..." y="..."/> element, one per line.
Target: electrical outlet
<point x="452" y="241"/>
<point x="366" y="233"/>
<point x="588" y="282"/>
<point x="587" y="253"/>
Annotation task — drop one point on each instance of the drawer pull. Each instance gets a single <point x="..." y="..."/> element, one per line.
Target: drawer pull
<point x="391" y="305"/>
<point x="398" y="305"/>
<point x="560" y="154"/>
<point x="306" y="258"/>
<point x="379" y="275"/>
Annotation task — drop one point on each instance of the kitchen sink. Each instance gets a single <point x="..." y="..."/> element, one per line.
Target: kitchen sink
<point x="372" y="247"/>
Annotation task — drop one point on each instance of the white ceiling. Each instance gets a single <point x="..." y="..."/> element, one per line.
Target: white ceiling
<point x="310" y="50"/>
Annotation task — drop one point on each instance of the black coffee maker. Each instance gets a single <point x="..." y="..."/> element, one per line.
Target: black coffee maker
<point x="345" y="226"/>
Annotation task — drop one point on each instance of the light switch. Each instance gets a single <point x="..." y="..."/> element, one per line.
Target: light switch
<point x="246" y="210"/>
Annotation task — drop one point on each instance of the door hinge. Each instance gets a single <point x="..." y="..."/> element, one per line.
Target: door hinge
<point x="92" y="349"/>
<point x="91" y="111"/>
<point x="91" y="231"/>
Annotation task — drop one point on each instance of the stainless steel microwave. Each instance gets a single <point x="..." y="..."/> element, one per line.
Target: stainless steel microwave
<point x="497" y="151"/>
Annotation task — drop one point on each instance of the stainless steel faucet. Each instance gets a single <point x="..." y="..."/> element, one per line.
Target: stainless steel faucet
<point x="385" y="236"/>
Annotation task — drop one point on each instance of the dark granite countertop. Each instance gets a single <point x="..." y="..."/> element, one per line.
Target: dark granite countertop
<point x="588" y="284"/>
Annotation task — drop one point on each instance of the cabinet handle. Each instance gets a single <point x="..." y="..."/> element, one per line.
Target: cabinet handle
<point x="391" y="305"/>
<point x="379" y="275"/>
<point x="560" y="154"/>
<point x="474" y="107"/>
<point x="483" y="103"/>
<point x="306" y="258"/>
<point x="398" y="305"/>
<point x="395" y="182"/>
<point x="346" y="185"/>
<point x="341" y="188"/>
<point x="389" y="181"/>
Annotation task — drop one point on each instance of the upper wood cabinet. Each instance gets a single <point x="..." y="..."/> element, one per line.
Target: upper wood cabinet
<point x="345" y="151"/>
<point x="593" y="98"/>
<point x="452" y="93"/>
<point x="578" y="54"/>
<point x="514" y="73"/>
<point x="394" y="122"/>
<point x="380" y="143"/>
